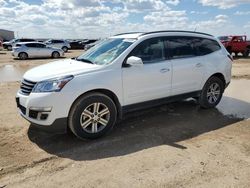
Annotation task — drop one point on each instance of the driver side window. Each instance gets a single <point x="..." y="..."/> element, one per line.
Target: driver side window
<point x="150" y="50"/>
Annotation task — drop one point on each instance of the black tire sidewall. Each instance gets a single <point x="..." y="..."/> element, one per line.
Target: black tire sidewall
<point x="203" y="98"/>
<point x="80" y="105"/>
<point x="53" y="54"/>
<point x="21" y="54"/>
<point x="66" y="48"/>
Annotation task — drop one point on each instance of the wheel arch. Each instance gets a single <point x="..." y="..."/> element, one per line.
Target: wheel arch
<point x="106" y="92"/>
<point x="220" y="76"/>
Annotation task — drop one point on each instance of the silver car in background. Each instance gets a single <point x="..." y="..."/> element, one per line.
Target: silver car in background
<point x="62" y="44"/>
<point x="27" y="50"/>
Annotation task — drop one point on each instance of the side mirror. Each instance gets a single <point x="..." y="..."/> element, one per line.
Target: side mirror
<point x="134" y="61"/>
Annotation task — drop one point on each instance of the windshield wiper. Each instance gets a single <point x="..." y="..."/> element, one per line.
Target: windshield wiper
<point x="83" y="60"/>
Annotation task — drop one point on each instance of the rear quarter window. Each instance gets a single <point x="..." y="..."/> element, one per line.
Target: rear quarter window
<point x="206" y="46"/>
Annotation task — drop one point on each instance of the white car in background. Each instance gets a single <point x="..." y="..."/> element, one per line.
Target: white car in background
<point x="62" y="44"/>
<point x="8" y="45"/>
<point x="27" y="50"/>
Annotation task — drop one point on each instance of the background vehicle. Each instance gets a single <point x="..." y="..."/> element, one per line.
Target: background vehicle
<point x="62" y="44"/>
<point x="1" y="44"/>
<point x="8" y="45"/>
<point x="76" y="45"/>
<point x="124" y="73"/>
<point x="236" y="44"/>
<point x="88" y="46"/>
<point x="35" y="49"/>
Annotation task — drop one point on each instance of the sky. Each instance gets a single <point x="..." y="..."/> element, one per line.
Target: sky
<point x="74" y="19"/>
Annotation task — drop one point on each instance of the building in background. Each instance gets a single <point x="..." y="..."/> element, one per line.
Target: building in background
<point x="6" y="35"/>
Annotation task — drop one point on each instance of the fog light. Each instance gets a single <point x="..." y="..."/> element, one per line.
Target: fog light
<point x="41" y="109"/>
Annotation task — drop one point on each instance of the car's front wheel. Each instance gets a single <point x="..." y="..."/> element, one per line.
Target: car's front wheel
<point x="92" y="116"/>
<point x="55" y="55"/>
<point x="65" y="49"/>
<point x="23" y="56"/>
<point x="211" y="93"/>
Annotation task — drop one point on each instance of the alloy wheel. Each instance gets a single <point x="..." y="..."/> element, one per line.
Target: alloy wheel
<point x="95" y="117"/>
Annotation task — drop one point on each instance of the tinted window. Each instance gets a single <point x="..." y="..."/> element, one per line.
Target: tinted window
<point x="26" y="40"/>
<point x="31" y="45"/>
<point x="150" y="51"/>
<point x="206" y="46"/>
<point x="181" y="47"/>
<point x="40" y="45"/>
<point x="57" y="41"/>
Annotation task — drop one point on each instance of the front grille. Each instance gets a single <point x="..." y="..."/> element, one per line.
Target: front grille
<point x="27" y="86"/>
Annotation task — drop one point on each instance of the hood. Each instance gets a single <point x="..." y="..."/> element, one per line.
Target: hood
<point x="59" y="69"/>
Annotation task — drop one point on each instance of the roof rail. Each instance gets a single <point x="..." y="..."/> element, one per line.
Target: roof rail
<point x="128" y="33"/>
<point x="147" y="33"/>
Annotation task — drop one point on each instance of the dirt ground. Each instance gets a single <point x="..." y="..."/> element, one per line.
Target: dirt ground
<point x="175" y="145"/>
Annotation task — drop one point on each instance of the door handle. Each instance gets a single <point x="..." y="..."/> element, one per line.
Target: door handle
<point x="164" y="70"/>
<point x="198" y="65"/>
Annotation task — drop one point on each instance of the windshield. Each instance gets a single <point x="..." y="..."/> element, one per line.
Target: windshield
<point x="106" y="51"/>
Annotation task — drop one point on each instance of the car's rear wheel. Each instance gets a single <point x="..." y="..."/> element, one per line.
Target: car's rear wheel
<point x="246" y="53"/>
<point x="55" y="55"/>
<point x="23" y="56"/>
<point x="211" y="93"/>
<point x="92" y="116"/>
<point x="9" y="48"/>
<point x="65" y="49"/>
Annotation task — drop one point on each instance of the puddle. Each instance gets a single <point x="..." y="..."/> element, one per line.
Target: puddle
<point x="236" y="99"/>
<point x="10" y="73"/>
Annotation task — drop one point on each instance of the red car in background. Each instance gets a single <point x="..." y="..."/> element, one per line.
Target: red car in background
<point x="236" y="44"/>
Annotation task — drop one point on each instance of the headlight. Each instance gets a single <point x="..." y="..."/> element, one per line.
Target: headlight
<point x="54" y="85"/>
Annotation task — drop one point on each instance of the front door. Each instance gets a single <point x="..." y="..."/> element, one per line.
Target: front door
<point x="152" y="80"/>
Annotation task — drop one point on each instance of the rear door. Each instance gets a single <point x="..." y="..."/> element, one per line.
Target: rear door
<point x="43" y="51"/>
<point x="153" y="79"/>
<point x="188" y="67"/>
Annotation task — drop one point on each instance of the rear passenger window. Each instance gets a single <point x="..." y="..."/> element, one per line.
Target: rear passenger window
<point x="181" y="47"/>
<point x="31" y="45"/>
<point x="150" y="51"/>
<point x="206" y="46"/>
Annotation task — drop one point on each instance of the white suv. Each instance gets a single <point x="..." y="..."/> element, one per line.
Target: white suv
<point x="123" y="73"/>
<point x="62" y="44"/>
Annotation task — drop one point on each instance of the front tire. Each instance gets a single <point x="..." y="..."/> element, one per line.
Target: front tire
<point x="92" y="116"/>
<point x="55" y="55"/>
<point x="211" y="93"/>
<point x="23" y="56"/>
<point x="65" y="49"/>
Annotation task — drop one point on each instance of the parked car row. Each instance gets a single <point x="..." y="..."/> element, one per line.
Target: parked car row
<point x="61" y="44"/>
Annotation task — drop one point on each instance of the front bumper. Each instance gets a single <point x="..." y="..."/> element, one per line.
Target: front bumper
<point x="35" y="108"/>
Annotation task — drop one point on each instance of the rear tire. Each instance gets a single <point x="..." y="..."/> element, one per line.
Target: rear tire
<point x="23" y="56"/>
<point x="211" y="93"/>
<point x="246" y="53"/>
<point x="92" y="116"/>
<point x="55" y="55"/>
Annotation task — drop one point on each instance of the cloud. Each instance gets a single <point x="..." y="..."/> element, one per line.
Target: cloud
<point x="223" y="4"/>
<point x="241" y="13"/>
